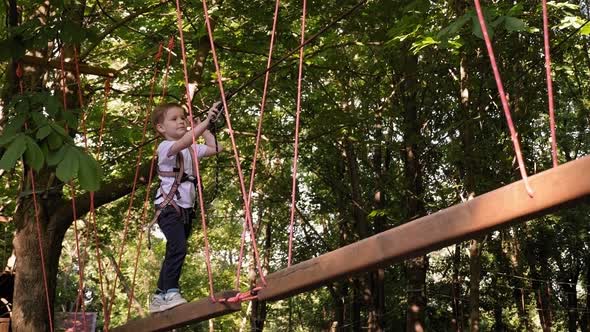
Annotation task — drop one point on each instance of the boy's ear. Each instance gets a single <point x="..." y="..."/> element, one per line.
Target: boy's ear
<point x="160" y="128"/>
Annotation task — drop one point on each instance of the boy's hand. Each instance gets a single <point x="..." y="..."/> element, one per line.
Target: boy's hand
<point x="214" y="111"/>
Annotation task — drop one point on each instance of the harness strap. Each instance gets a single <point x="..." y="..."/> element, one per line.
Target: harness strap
<point x="169" y="197"/>
<point x="179" y="177"/>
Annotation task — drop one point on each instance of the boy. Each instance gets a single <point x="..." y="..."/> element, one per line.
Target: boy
<point x="176" y="196"/>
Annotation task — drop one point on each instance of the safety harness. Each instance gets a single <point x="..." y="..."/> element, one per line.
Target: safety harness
<point x="179" y="177"/>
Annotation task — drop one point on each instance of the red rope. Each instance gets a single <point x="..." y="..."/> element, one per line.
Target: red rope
<point x="169" y="49"/>
<point x="513" y="133"/>
<point x="143" y="222"/>
<point x="73" y="192"/>
<point x="549" y="84"/>
<point x="19" y="74"/>
<point x="92" y="207"/>
<point x="130" y="206"/>
<point x="195" y="160"/>
<point x="258" y="134"/>
<point x="296" y="147"/>
<point x="233" y="141"/>
<point x="147" y="194"/>
<point x="93" y="221"/>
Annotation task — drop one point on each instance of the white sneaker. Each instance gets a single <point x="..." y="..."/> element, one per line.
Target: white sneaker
<point x="172" y="299"/>
<point x="157" y="303"/>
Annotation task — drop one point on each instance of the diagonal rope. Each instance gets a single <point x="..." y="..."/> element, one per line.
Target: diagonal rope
<point x="296" y="145"/>
<point x="549" y="84"/>
<point x="498" y="78"/>
<point x="248" y="215"/>
<point x="258" y="134"/>
<point x="19" y="74"/>
<point x="195" y="160"/>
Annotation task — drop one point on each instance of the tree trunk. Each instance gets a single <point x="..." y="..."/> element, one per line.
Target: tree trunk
<point x="30" y="307"/>
<point x="356" y="305"/>
<point x="457" y="321"/>
<point x="415" y="268"/>
<point x="475" y="272"/>
<point x="377" y="278"/>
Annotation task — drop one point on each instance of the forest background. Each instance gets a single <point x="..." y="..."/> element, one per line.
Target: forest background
<point x="400" y="117"/>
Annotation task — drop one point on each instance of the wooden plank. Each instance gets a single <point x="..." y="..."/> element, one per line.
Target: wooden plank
<point x="566" y="183"/>
<point x="183" y="315"/>
<point x="68" y="66"/>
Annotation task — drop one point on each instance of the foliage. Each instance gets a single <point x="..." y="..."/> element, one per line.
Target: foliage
<point x="357" y="87"/>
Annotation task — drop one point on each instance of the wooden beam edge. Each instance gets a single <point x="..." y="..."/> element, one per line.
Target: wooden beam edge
<point x="495" y="209"/>
<point x="183" y="315"/>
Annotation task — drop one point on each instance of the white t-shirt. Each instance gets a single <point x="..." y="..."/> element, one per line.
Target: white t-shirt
<point x="167" y="164"/>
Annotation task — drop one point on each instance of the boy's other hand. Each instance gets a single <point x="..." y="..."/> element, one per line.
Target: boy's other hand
<point x="214" y="111"/>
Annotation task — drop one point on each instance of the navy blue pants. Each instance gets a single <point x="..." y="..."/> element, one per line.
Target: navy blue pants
<point x="177" y="228"/>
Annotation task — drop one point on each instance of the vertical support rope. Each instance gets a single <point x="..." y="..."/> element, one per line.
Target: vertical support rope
<point x="165" y="83"/>
<point x="147" y="196"/>
<point x="195" y="160"/>
<point x="129" y="207"/>
<point x="513" y="133"/>
<point x="296" y="146"/>
<point x="258" y="133"/>
<point x="233" y="141"/>
<point x="19" y="75"/>
<point x="549" y="84"/>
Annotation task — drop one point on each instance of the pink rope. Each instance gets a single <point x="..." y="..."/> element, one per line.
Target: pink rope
<point x="19" y="74"/>
<point x="92" y="208"/>
<point x="233" y="142"/>
<point x="40" y="248"/>
<point x="170" y="48"/>
<point x="130" y="206"/>
<point x="513" y="133"/>
<point x="549" y="84"/>
<point x="296" y="146"/>
<point x="258" y="133"/>
<point x="147" y="197"/>
<point x="195" y="160"/>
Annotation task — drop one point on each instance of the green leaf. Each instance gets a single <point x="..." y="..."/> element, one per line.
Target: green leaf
<point x="14" y="151"/>
<point x="67" y="168"/>
<point x="514" y="24"/>
<point x="585" y="31"/>
<point x="7" y="138"/>
<point x="58" y="129"/>
<point x="43" y="132"/>
<point x="52" y="105"/>
<point x="53" y="158"/>
<point x="38" y="119"/>
<point x="454" y="27"/>
<point x="89" y="172"/>
<point x="55" y="141"/>
<point x="477" y="29"/>
<point x="33" y="155"/>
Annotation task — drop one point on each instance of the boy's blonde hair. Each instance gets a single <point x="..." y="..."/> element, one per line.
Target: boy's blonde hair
<point x="159" y="113"/>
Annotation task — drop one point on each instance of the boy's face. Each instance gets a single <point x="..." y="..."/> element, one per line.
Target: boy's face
<point x="174" y="125"/>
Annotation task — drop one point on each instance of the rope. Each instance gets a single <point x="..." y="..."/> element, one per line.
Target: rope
<point x="19" y="74"/>
<point x="276" y="63"/>
<point x="73" y="192"/>
<point x="195" y="160"/>
<point x="549" y="84"/>
<point x="258" y="133"/>
<point x="130" y="206"/>
<point x="147" y="193"/>
<point x="233" y="142"/>
<point x="296" y="145"/>
<point x="513" y="133"/>
<point x="169" y="49"/>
